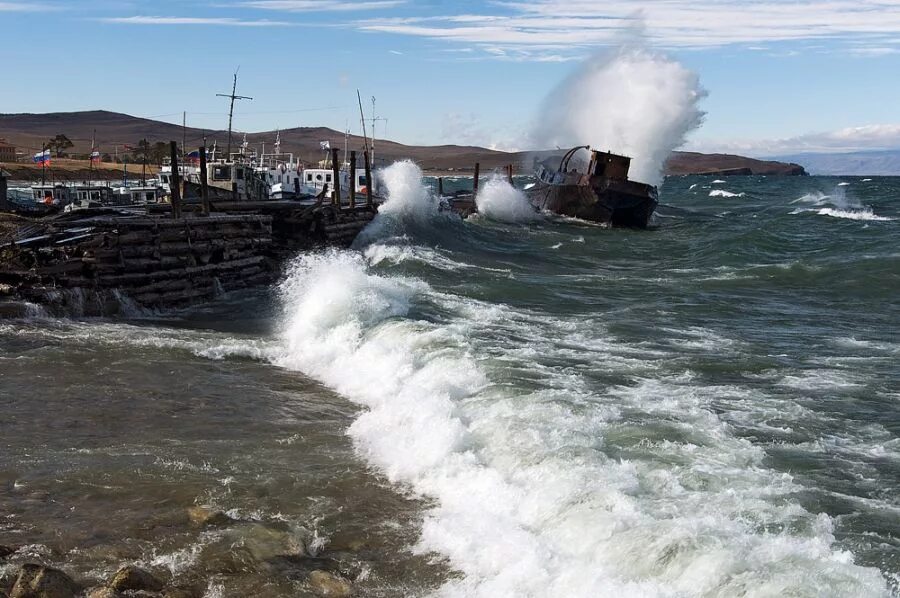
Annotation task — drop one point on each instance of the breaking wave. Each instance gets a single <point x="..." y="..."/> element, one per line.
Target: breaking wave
<point x="465" y="402"/>
<point x="837" y="205"/>
<point x="498" y="200"/>
<point x="724" y="193"/>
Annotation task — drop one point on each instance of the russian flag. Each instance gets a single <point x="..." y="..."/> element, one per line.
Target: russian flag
<point x="42" y="157"/>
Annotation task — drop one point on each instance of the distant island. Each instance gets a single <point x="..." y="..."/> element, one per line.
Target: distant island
<point x="119" y="134"/>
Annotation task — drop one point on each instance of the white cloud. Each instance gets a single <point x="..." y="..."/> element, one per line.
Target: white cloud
<point x="850" y="139"/>
<point x="25" y="7"/>
<point x="577" y="24"/>
<point x="467" y="129"/>
<point x="322" y="5"/>
<point x="221" y="21"/>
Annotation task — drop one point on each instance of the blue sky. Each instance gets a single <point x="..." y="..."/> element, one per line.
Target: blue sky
<point x="821" y="75"/>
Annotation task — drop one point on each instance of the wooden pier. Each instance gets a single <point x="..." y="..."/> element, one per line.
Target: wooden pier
<point x="102" y="263"/>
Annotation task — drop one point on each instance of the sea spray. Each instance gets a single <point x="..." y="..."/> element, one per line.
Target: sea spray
<point x="498" y="200"/>
<point x="410" y="205"/>
<point x="632" y="100"/>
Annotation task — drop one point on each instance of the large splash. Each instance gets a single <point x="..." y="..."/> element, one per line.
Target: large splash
<point x="632" y="101"/>
<point x="498" y="200"/>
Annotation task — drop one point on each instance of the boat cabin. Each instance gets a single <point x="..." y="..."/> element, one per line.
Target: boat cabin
<point x="609" y="165"/>
<point x="93" y="193"/>
<point x="124" y="196"/>
<point x="55" y="194"/>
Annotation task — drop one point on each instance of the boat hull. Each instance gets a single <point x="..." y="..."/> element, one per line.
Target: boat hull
<point x="614" y="203"/>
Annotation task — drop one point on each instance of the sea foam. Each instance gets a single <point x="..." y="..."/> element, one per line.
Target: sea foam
<point x="498" y="200"/>
<point x="528" y="498"/>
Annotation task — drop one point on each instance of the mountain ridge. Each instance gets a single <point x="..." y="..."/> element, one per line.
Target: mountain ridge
<point x="30" y="130"/>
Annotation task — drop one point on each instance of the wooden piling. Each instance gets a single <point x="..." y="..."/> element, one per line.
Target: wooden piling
<point x="336" y="178"/>
<point x="352" y="179"/>
<point x="234" y="192"/>
<point x="5" y="205"/>
<point x="509" y="174"/>
<point x="369" y="181"/>
<point x="204" y="183"/>
<point x="475" y="182"/>
<point x="175" y="181"/>
<point x="440" y="186"/>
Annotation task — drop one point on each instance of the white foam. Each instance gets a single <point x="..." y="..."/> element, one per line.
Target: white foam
<point x="632" y="100"/>
<point x="527" y="503"/>
<point x="837" y="205"/>
<point x="718" y="182"/>
<point x="724" y="193"/>
<point x="863" y="214"/>
<point x="498" y="200"/>
<point x="843" y="184"/>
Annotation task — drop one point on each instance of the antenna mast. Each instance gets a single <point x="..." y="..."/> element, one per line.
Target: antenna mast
<point x="233" y="97"/>
<point x="362" y="118"/>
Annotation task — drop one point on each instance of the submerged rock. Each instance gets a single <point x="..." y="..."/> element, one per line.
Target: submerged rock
<point x="134" y="578"/>
<point x="37" y="581"/>
<point x="329" y="585"/>
<point x="102" y="592"/>
<point x="200" y="515"/>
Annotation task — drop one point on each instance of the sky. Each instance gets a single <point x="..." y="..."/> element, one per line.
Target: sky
<point x="782" y="76"/>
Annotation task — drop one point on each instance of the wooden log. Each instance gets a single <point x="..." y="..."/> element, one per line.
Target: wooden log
<point x="475" y="181"/>
<point x="352" y="189"/>
<point x="336" y="179"/>
<point x="175" y="181"/>
<point x="369" y="201"/>
<point x="204" y="183"/>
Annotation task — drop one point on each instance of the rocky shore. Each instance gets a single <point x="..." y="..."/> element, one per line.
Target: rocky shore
<point x="267" y="555"/>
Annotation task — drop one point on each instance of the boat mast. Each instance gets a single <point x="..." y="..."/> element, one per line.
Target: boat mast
<point x="373" y="129"/>
<point x="362" y="118"/>
<point x="91" y="158"/>
<point x="233" y="97"/>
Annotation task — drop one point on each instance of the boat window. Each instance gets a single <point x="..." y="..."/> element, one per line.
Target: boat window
<point x="319" y="177"/>
<point x="309" y="177"/>
<point x="240" y="174"/>
<point x="221" y="173"/>
<point x="328" y="178"/>
<point x="150" y="196"/>
<point x="361" y="180"/>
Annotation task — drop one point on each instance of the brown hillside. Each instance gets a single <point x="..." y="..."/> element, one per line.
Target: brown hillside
<point x="29" y="131"/>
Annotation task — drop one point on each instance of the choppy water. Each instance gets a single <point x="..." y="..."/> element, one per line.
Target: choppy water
<point x="499" y="407"/>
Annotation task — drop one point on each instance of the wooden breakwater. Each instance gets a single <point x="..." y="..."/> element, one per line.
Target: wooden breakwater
<point x="103" y="265"/>
<point x="107" y="263"/>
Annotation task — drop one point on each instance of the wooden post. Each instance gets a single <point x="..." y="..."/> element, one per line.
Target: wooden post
<point x="204" y="183"/>
<point x="175" y="182"/>
<point x="335" y="178"/>
<point x="509" y="170"/>
<point x="369" y="181"/>
<point x="352" y="179"/>
<point x="475" y="182"/>
<point x="440" y="186"/>
<point x="234" y="191"/>
<point x="4" y="200"/>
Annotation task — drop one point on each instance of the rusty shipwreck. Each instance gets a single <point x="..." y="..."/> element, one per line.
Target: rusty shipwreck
<point x="603" y="193"/>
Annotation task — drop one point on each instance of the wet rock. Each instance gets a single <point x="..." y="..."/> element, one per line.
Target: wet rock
<point x="182" y="592"/>
<point x="102" y="592"/>
<point x="13" y="309"/>
<point x="5" y="551"/>
<point x="200" y="515"/>
<point x="36" y="581"/>
<point x="328" y="585"/>
<point x="134" y="578"/>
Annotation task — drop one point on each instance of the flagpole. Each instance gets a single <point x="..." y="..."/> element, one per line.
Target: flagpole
<point x="91" y="159"/>
<point x="43" y="164"/>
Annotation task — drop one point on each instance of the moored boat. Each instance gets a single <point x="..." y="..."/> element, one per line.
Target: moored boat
<point x="603" y="193"/>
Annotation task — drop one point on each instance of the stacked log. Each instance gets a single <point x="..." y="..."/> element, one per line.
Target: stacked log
<point x="92" y="266"/>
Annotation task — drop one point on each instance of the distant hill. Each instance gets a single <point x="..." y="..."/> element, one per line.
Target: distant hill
<point x="29" y="131"/>
<point x="874" y="163"/>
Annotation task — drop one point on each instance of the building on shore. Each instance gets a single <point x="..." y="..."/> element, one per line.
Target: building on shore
<point x="7" y="151"/>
